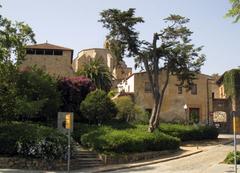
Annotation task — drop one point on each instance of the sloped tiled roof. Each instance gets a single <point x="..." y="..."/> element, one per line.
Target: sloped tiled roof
<point x="47" y="46"/>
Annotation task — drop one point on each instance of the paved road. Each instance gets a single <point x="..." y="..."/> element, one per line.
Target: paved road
<point x="206" y="162"/>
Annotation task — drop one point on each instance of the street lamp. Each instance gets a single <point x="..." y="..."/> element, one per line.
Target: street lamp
<point x="185" y="107"/>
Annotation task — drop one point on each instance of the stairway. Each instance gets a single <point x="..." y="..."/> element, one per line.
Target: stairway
<point x="82" y="158"/>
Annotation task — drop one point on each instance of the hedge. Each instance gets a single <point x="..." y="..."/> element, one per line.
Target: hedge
<point x="189" y="132"/>
<point x="230" y="158"/>
<point x="31" y="140"/>
<point x="136" y="139"/>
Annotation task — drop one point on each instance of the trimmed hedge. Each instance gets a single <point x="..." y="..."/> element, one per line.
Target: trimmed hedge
<point x="189" y="132"/>
<point x="31" y="140"/>
<point x="134" y="139"/>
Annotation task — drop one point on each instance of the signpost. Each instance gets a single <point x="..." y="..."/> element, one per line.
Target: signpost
<point x="68" y="127"/>
<point x="235" y="141"/>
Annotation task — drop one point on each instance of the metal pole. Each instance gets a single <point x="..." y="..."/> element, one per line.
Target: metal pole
<point x="235" y="142"/>
<point x="68" y="164"/>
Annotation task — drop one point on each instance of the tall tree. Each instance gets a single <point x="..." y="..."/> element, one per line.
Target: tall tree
<point x="98" y="73"/>
<point x="169" y="52"/>
<point x="235" y="10"/>
<point x="13" y="38"/>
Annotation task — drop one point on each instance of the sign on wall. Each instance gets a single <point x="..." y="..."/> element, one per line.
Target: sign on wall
<point x="219" y="116"/>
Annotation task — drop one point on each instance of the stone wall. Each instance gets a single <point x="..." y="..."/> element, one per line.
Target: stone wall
<point x="128" y="158"/>
<point x="31" y="164"/>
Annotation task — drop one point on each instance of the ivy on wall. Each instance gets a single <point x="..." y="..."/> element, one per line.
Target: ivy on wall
<point x="231" y="83"/>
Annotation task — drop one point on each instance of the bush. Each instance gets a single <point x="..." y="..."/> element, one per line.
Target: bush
<point x="37" y="95"/>
<point x="98" y="107"/>
<point x="135" y="139"/>
<point x="125" y="108"/>
<point x="73" y="91"/>
<point x="230" y="158"/>
<point x="189" y="132"/>
<point x="29" y="140"/>
<point x="130" y="112"/>
<point x="141" y="116"/>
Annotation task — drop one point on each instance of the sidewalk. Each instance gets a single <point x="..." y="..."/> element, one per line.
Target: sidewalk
<point x="187" y="149"/>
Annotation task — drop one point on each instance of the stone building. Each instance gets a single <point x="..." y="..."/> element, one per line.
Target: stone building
<point x="225" y="104"/>
<point x="53" y="59"/>
<point x="119" y="71"/>
<point x="198" y="100"/>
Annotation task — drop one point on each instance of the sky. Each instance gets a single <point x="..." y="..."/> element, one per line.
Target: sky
<point x="74" y="24"/>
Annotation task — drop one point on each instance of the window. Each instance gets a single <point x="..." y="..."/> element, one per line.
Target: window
<point x="179" y="89"/>
<point x="194" y="89"/>
<point x="30" y="51"/>
<point x="147" y="87"/>
<point x="48" y="52"/>
<point x="58" y="52"/>
<point x="39" y="51"/>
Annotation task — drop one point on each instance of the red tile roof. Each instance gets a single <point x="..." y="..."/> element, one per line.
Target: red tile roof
<point x="47" y="46"/>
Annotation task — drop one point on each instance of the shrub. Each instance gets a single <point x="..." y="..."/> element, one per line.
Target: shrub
<point x="189" y="132"/>
<point x="130" y="112"/>
<point x="136" y="139"/>
<point x="73" y="92"/>
<point x="37" y="95"/>
<point x="80" y="129"/>
<point x="230" y="158"/>
<point x="125" y="108"/>
<point x="29" y="140"/>
<point x="141" y="116"/>
<point x="98" y="107"/>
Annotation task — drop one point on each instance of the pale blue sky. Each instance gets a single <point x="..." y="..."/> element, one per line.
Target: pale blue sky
<point x="73" y="24"/>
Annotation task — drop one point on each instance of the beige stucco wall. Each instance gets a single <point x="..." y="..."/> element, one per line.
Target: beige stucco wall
<point x="56" y="65"/>
<point x="85" y="56"/>
<point x="122" y="73"/>
<point x="172" y="107"/>
<point x="119" y="72"/>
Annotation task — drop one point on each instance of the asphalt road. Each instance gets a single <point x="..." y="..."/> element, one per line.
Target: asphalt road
<point x="205" y="162"/>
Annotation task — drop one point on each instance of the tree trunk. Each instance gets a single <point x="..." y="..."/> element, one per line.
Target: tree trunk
<point x="155" y="116"/>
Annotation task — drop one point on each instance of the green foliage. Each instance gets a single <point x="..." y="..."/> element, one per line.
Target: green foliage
<point x="129" y="112"/>
<point x="37" y="95"/>
<point x="170" y="50"/>
<point x="122" y="35"/>
<point x="189" y="132"/>
<point x="13" y="38"/>
<point x="235" y="10"/>
<point x="231" y="82"/>
<point x="112" y="93"/>
<point x="98" y="73"/>
<point x="230" y="158"/>
<point x="125" y="108"/>
<point x="98" y="107"/>
<point x="135" y="139"/>
<point x="141" y="116"/>
<point x="34" y="141"/>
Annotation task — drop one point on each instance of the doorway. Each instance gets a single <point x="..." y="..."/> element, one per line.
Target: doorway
<point x="194" y="115"/>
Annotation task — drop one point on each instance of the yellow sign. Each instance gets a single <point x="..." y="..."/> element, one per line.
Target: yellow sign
<point x="68" y="121"/>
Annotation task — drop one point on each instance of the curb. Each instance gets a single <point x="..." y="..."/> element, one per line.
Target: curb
<point x="155" y="161"/>
<point x="147" y="163"/>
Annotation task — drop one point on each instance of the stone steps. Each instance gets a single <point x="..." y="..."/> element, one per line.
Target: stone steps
<point x="83" y="158"/>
